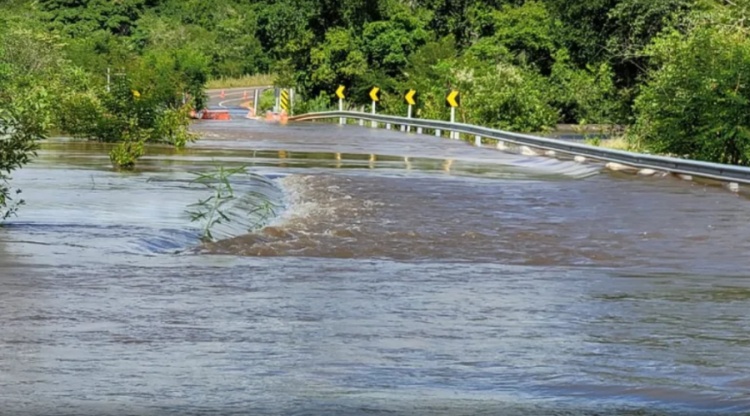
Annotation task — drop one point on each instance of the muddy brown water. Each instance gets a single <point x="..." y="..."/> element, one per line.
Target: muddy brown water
<point x="400" y="275"/>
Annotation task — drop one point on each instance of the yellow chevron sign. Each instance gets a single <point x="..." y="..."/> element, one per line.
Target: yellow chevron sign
<point x="340" y="92"/>
<point x="411" y="97"/>
<point x="454" y="98"/>
<point x="375" y="94"/>
<point x="285" y="100"/>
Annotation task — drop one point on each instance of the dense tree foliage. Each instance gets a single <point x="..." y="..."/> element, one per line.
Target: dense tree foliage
<point x="696" y="102"/>
<point x="26" y="58"/>
<point x="673" y="70"/>
<point x="526" y="64"/>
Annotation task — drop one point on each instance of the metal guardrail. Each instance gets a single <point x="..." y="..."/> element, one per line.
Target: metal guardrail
<point x="717" y="171"/>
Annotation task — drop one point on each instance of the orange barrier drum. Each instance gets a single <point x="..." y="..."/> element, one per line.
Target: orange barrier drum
<point x="216" y="115"/>
<point x="281" y="118"/>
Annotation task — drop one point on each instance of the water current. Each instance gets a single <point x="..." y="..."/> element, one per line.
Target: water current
<point x="400" y="274"/>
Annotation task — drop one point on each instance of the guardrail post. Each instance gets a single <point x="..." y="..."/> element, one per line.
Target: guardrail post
<point x="437" y="132"/>
<point x="478" y="141"/>
<point x="387" y="126"/>
<point x="419" y="130"/>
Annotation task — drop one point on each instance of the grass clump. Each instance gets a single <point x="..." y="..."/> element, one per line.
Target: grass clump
<point x="258" y="80"/>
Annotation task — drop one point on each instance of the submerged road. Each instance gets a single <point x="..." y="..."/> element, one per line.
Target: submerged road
<point x="401" y="274"/>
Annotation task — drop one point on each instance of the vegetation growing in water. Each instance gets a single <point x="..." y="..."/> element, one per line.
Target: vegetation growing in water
<point x="213" y="210"/>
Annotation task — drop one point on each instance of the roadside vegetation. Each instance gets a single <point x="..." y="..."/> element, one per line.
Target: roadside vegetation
<point x="259" y="80"/>
<point x="674" y="72"/>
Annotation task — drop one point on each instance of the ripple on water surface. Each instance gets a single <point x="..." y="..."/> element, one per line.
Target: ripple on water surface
<point x="432" y="278"/>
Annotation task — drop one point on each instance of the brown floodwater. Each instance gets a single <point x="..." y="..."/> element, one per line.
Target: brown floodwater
<point x="395" y="274"/>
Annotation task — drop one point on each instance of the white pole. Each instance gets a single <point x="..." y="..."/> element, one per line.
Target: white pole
<point x="374" y="106"/>
<point x="256" y="101"/>
<point x="453" y="120"/>
<point x="342" y="121"/>
<point x="291" y="101"/>
<point x="408" y="115"/>
<point x="108" y="80"/>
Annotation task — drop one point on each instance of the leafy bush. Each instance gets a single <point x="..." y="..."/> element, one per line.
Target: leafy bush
<point x="696" y="102"/>
<point x="22" y="125"/>
<point x="126" y="153"/>
<point x="320" y="103"/>
<point x="26" y="58"/>
<point x="584" y="95"/>
<point x="172" y="126"/>
<point x="267" y="101"/>
<point x="125" y="116"/>
<point x="511" y="98"/>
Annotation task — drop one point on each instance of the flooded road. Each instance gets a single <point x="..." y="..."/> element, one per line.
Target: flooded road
<point x="399" y="275"/>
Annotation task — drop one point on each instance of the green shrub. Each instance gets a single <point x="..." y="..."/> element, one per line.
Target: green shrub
<point x="318" y="104"/>
<point x="266" y="102"/>
<point x="696" y="102"/>
<point x="125" y="154"/>
<point x="512" y="98"/>
<point x="172" y="127"/>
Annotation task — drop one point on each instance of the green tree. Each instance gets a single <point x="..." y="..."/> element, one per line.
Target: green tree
<point x="510" y="98"/>
<point x="389" y="43"/>
<point x="338" y="60"/>
<point x="24" y="103"/>
<point x="696" y="101"/>
<point x="79" y="17"/>
<point x="586" y="95"/>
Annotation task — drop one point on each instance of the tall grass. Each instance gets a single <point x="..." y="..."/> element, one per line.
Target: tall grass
<point x="615" y="143"/>
<point x="257" y="80"/>
<point x="214" y="209"/>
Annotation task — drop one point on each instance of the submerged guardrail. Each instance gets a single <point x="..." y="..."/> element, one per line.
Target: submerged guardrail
<point x="624" y="160"/>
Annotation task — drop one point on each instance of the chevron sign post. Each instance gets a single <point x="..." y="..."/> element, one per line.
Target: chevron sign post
<point x="340" y="94"/>
<point x="375" y="96"/>
<point x="453" y="100"/>
<point x="411" y="100"/>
